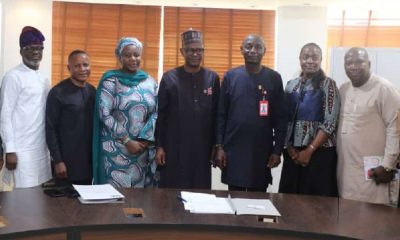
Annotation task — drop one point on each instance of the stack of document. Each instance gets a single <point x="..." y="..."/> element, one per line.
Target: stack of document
<point x="205" y="203"/>
<point x="104" y="193"/>
<point x="209" y="203"/>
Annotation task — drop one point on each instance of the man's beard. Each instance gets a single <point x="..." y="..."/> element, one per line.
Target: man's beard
<point x="32" y="63"/>
<point x="193" y="65"/>
<point x="253" y="62"/>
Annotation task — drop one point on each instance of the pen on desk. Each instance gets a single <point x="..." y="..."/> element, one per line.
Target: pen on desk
<point x="255" y="206"/>
<point x="181" y="199"/>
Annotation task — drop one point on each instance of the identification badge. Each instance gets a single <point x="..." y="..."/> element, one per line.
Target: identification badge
<point x="264" y="108"/>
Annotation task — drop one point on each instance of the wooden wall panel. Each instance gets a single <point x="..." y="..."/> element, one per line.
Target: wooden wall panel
<point x="217" y="40"/>
<point x="223" y="30"/>
<point x="96" y="28"/>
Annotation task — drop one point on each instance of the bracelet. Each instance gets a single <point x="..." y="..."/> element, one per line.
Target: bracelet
<point x="312" y="147"/>
<point x="125" y="141"/>
<point x="219" y="145"/>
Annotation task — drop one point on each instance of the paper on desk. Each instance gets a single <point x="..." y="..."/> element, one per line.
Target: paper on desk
<point x="98" y="192"/>
<point x="262" y="207"/>
<point x="115" y="200"/>
<point x="191" y="199"/>
<point x="193" y="196"/>
<point x="205" y="203"/>
<point x="216" y="206"/>
<point x="209" y="203"/>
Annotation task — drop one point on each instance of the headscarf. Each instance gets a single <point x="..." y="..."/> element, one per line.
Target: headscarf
<point x="29" y="36"/>
<point x="125" y="41"/>
<point x="191" y="36"/>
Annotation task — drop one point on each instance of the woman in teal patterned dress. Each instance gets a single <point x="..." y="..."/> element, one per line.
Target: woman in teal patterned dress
<point x="123" y="143"/>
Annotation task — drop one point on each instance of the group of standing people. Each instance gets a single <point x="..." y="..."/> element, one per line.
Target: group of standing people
<point x="130" y="132"/>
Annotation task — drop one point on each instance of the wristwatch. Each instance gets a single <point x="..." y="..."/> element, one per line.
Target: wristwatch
<point x="219" y="145"/>
<point x="388" y="169"/>
<point x="124" y="141"/>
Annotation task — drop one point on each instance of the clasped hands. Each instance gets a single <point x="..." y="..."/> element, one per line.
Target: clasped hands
<point x="133" y="147"/>
<point x="136" y="146"/>
<point x="301" y="157"/>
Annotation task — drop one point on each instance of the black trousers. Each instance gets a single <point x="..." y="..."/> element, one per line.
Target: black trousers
<point x="318" y="178"/>
<point x="61" y="182"/>
<point x="245" y="189"/>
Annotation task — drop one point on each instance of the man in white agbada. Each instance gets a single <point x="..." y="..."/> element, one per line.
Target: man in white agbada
<point x="22" y="117"/>
<point x="368" y="127"/>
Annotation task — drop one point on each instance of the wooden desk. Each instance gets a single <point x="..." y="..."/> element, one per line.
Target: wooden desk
<point x="33" y="215"/>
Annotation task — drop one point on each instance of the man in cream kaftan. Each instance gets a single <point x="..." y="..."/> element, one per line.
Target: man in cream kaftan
<point x="368" y="126"/>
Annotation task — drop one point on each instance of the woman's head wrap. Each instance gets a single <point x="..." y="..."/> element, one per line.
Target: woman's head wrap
<point x="125" y="41"/>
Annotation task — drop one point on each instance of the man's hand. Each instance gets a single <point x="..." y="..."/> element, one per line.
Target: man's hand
<point x="212" y="157"/>
<point x="220" y="158"/>
<point x="274" y="160"/>
<point x="61" y="170"/>
<point x="145" y="143"/>
<point x="380" y="175"/>
<point x="11" y="161"/>
<point x="293" y="152"/>
<point x="160" y="156"/>
<point x="134" y="147"/>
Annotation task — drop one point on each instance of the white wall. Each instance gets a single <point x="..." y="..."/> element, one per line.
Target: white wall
<point x="384" y="62"/>
<point x="15" y="15"/>
<point x="297" y="26"/>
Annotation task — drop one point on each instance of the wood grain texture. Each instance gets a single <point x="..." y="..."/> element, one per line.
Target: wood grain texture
<point x="31" y="213"/>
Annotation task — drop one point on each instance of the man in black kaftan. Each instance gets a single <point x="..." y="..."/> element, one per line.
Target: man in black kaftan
<point x="187" y="106"/>
<point x="69" y="122"/>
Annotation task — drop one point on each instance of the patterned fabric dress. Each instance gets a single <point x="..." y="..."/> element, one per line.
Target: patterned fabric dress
<point x="126" y="106"/>
<point x="318" y="109"/>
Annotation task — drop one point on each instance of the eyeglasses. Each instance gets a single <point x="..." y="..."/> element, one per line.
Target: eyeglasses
<point x="33" y="48"/>
<point x="194" y="50"/>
